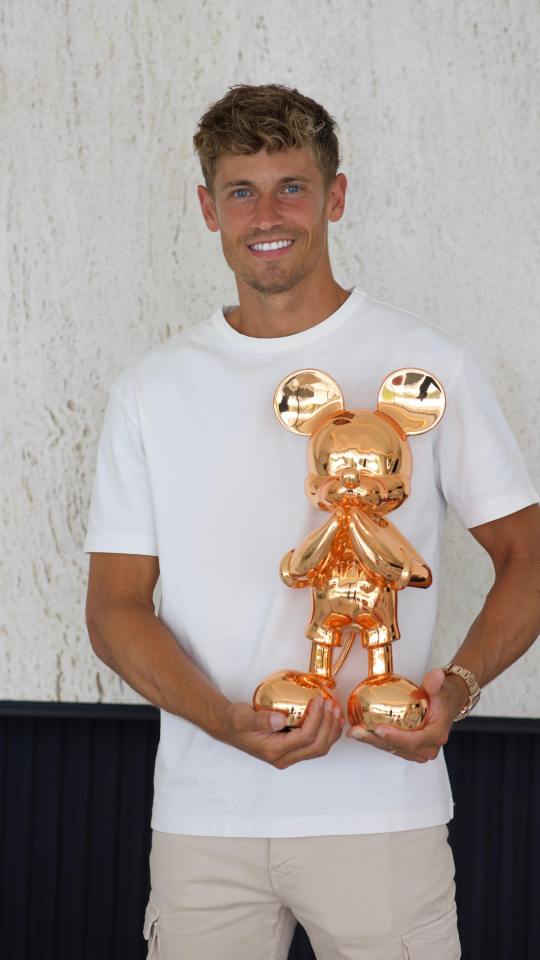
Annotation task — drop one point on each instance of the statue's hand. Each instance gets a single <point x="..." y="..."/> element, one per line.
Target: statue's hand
<point x="300" y="563"/>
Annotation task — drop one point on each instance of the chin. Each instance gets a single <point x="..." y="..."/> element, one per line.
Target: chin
<point x="279" y="283"/>
<point x="272" y="288"/>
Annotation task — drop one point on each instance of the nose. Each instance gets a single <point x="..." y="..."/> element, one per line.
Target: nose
<point x="350" y="477"/>
<point x="266" y="214"/>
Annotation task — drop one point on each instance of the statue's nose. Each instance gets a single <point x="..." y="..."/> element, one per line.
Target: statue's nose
<point x="350" y="477"/>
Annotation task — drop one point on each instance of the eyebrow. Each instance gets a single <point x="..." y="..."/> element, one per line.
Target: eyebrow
<point x="251" y="183"/>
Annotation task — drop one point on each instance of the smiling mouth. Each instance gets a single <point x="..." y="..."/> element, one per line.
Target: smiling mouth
<point x="270" y="246"/>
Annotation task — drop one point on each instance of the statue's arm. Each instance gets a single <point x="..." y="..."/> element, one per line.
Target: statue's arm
<point x="383" y="550"/>
<point x="298" y="564"/>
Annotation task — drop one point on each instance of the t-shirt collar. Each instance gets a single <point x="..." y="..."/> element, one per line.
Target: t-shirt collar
<point x="294" y="340"/>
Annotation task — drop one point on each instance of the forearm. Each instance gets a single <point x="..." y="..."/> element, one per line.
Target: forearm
<point x="134" y="643"/>
<point x="508" y="623"/>
<point x="129" y="638"/>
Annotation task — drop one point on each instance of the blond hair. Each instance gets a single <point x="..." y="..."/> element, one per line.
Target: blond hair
<point x="250" y="118"/>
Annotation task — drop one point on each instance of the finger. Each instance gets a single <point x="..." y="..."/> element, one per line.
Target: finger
<point x="403" y="749"/>
<point x="303" y="736"/>
<point x="433" y="681"/>
<point x="337" y="717"/>
<point x="329" y="730"/>
<point x="434" y="733"/>
<point x="319" y="738"/>
<point x="420" y="746"/>
<point x="309" y="751"/>
<point x="331" y="721"/>
<point x="367" y="736"/>
<point x="307" y="732"/>
<point x="409" y="740"/>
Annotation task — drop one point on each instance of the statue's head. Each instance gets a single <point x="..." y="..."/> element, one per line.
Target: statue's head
<point x="359" y="458"/>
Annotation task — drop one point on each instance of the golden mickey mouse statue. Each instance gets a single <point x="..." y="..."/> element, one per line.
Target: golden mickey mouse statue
<point x="359" y="471"/>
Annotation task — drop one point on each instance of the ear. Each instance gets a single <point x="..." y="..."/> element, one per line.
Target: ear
<point x="305" y="398"/>
<point x="413" y="398"/>
<point x="208" y="208"/>
<point x="335" y="200"/>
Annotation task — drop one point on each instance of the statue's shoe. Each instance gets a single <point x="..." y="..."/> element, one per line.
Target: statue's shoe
<point x="290" y="692"/>
<point x="388" y="699"/>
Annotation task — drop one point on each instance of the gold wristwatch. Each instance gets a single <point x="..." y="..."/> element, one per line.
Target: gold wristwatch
<point x="472" y="686"/>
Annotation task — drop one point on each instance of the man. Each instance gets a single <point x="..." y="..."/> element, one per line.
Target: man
<point x="198" y="483"/>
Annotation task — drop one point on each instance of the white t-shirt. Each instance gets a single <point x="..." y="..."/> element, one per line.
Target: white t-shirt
<point x="194" y="467"/>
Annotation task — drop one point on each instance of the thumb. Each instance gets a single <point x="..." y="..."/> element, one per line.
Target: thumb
<point x="433" y="681"/>
<point x="269" y="720"/>
<point x="265" y="721"/>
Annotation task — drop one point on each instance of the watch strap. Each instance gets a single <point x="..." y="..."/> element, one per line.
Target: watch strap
<point x="472" y="685"/>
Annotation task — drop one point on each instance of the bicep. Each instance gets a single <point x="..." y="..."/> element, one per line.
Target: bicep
<point x="121" y="577"/>
<point x="514" y="537"/>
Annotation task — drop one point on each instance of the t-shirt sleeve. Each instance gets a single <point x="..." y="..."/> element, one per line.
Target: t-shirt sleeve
<point x="482" y="473"/>
<point x="121" y="514"/>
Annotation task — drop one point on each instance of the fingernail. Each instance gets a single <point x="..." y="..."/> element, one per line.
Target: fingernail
<point x="328" y="706"/>
<point x="337" y="713"/>
<point x="277" y="721"/>
<point x="358" y="733"/>
<point x="379" y="733"/>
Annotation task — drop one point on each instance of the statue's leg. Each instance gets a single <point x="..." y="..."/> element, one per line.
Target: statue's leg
<point x="380" y="635"/>
<point x="320" y="663"/>
<point x="324" y="631"/>
<point x="378" y="642"/>
<point x="385" y="697"/>
<point x="291" y="691"/>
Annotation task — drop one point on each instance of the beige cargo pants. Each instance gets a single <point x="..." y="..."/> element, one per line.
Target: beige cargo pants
<point x="365" y="897"/>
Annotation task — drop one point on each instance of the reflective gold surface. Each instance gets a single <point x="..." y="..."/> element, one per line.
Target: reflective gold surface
<point x="388" y="699"/>
<point x="413" y="398"/>
<point x="359" y="464"/>
<point x="302" y="395"/>
<point x="290" y="692"/>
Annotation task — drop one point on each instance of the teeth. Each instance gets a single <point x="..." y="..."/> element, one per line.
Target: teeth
<point x="275" y="245"/>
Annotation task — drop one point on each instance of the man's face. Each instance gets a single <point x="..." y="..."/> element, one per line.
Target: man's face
<point x="272" y="210"/>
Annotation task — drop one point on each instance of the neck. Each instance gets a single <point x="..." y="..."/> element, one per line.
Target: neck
<point x="281" y="314"/>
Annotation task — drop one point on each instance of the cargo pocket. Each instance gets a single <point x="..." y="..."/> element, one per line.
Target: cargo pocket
<point x="438" y="940"/>
<point x="151" y="931"/>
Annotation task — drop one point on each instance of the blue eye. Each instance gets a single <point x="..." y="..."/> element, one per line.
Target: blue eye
<point x="241" y="193"/>
<point x="292" y="187"/>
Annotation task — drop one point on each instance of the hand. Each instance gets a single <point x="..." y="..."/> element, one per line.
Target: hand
<point x="260" y="732"/>
<point x="446" y="700"/>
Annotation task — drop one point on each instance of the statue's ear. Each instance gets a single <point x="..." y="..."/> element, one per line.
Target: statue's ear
<point x="413" y="398"/>
<point x="303" y="399"/>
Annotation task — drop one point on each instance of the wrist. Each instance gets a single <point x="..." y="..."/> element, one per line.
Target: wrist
<point x="457" y="692"/>
<point x="218" y="719"/>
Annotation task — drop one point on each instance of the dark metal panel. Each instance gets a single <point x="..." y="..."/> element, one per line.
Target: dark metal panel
<point x="145" y="711"/>
<point x="78" y="711"/>
<point x="75" y="804"/>
<point x="104" y="893"/>
<point x="16" y="837"/>
<point x="75" y="798"/>
<point x="496" y="841"/>
<point x="44" y="830"/>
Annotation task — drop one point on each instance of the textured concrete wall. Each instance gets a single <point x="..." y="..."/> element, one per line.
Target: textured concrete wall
<point x="106" y="253"/>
